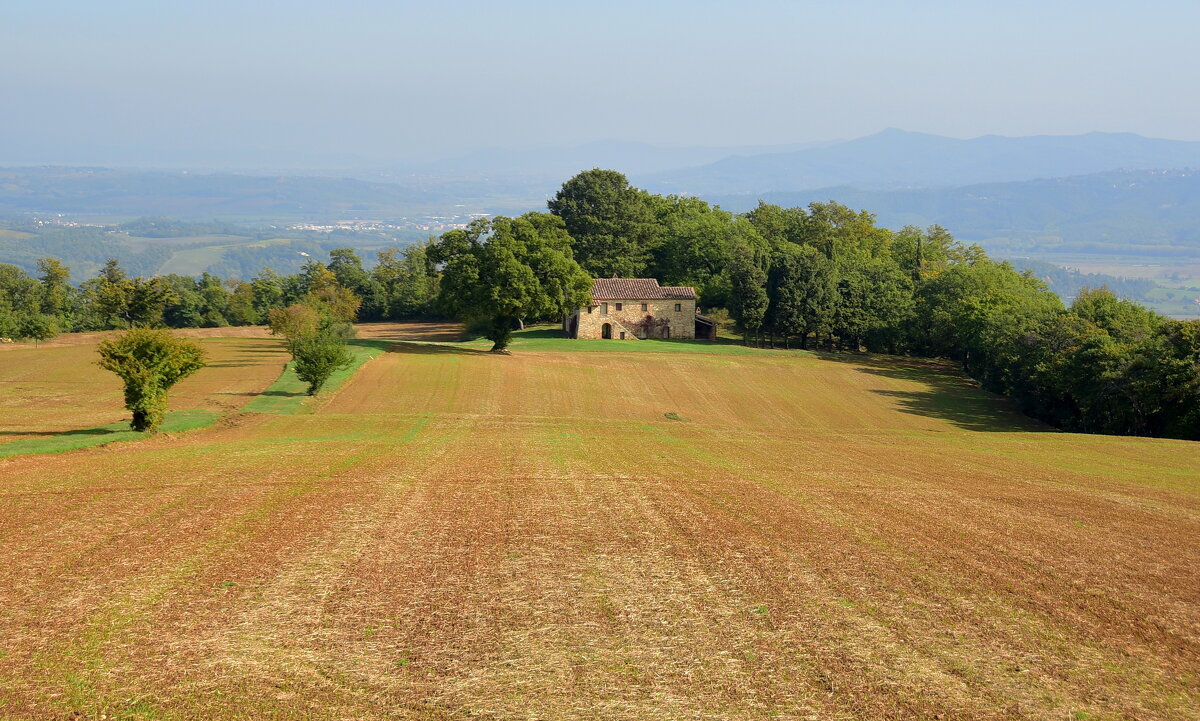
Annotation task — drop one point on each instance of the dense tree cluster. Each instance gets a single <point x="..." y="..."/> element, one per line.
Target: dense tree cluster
<point x="822" y="276"/>
<point x="402" y="285"/>
<point x="827" y="276"/>
<point x="501" y="272"/>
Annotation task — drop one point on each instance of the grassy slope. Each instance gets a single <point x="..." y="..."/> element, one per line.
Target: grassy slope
<point x="456" y="534"/>
<point x="175" y="422"/>
<point x="288" y="393"/>
<point x="549" y="338"/>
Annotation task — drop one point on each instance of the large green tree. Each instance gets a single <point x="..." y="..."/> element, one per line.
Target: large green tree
<point x="696" y="242"/>
<point x="20" y="301"/>
<point x="613" y="225"/>
<point x="803" y="293"/>
<point x="874" y="298"/>
<point x="122" y="302"/>
<point x="748" y="292"/>
<point x="499" y="272"/>
<point x="57" y="300"/>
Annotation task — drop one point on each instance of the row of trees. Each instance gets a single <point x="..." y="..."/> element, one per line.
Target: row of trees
<point x="401" y="285"/>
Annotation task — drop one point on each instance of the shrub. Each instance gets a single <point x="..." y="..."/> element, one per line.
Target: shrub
<point x="149" y="362"/>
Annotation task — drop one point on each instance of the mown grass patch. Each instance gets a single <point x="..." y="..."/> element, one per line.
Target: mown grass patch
<point x="176" y="422"/>
<point x="287" y="394"/>
<point x="551" y="338"/>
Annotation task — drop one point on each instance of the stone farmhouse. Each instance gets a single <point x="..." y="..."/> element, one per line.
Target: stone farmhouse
<point x="637" y="308"/>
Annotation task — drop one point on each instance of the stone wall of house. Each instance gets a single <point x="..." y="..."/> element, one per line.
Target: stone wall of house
<point x="631" y="318"/>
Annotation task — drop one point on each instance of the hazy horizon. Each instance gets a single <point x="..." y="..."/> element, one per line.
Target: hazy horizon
<point x="433" y="159"/>
<point x="372" y="83"/>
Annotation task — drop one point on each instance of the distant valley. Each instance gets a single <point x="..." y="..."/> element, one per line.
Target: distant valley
<point x="1117" y="204"/>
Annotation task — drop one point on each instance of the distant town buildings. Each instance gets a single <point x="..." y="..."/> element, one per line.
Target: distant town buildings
<point x="431" y="223"/>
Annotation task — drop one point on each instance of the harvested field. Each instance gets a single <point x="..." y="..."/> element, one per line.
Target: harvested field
<point x="58" y="388"/>
<point x="92" y="338"/>
<point x="454" y="534"/>
<point x="385" y="331"/>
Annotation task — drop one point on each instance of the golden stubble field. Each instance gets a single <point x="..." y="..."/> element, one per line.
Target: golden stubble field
<point x="457" y="535"/>
<point x="58" y="387"/>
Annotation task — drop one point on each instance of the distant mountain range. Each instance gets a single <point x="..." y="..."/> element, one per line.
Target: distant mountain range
<point x="1117" y="212"/>
<point x="558" y="164"/>
<point x="899" y="159"/>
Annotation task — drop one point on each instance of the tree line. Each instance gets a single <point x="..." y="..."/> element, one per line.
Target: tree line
<point x="401" y="285"/>
<point x="821" y="276"/>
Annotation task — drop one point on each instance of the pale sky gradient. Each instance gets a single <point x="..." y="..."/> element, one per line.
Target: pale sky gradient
<point x="369" y="82"/>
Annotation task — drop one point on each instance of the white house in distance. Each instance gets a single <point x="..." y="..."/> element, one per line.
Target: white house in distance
<point x="637" y="308"/>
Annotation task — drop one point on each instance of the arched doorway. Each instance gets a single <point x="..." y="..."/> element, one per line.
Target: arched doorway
<point x="606" y="331"/>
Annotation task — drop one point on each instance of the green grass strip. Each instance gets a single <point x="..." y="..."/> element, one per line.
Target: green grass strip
<point x="550" y="338"/>
<point x="286" y="395"/>
<point x="176" y="422"/>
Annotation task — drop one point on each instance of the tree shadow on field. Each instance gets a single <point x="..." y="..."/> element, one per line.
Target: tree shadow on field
<point x="252" y="394"/>
<point x="948" y="395"/>
<point x="77" y="432"/>
<point x="414" y="348"/>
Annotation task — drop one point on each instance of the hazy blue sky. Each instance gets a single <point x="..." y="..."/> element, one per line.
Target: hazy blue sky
<point x="163" y="82"/>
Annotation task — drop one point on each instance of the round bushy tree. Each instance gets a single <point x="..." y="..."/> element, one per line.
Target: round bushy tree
<point x="317" y="356"/>
<point x="149" y="362"/>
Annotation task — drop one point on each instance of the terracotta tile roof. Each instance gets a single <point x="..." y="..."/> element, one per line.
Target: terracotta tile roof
<point x="638" y="289"/>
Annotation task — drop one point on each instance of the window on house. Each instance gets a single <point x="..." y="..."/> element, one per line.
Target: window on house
<point x="589" y="309"/>
<point x="644" y="308"/>
<point x="622" y="335"/>
<point x="679" y="307"/>
<point x="618" y="306"/>
<point x="604" y="309"/>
